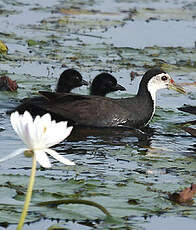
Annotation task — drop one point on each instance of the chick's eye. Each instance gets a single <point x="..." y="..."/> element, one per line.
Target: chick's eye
<point x="164" y="78"/>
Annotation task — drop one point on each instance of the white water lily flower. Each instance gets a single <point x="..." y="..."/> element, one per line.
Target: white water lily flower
<point x="39" y="135"/>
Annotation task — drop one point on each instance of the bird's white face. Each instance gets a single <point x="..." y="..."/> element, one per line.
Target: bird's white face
<point x="163" y="81"/>
<point x="160" y="81"/>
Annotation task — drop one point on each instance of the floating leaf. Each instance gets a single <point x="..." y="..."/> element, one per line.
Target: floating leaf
<point x="73" y="11"/>
<point x="56" y="227"/>
<point x="34" y="43"/>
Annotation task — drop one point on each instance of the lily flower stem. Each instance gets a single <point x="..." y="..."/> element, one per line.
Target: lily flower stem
<point x="28" y="194"/>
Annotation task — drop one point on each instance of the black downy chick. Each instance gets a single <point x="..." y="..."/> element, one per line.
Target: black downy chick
<point x="103" y="84"/>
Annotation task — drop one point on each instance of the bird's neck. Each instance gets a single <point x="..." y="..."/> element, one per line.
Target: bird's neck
<point x="147" y="98"/>
<point x="148" y="92"/>
<point x="61" y="89"/>
<point x="95" y="92"/>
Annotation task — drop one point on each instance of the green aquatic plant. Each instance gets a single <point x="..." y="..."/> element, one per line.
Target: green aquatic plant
<point x="38" y="135"/>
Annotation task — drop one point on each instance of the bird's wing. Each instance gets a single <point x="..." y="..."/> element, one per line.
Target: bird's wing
<point x="60" y="97"/>
<point x="87" y="110"/>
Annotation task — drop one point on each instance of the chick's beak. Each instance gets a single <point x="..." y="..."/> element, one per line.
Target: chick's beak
<point x="120" y="87"/>
<point x="84" y="82"/>
<point x="176" y="87"/>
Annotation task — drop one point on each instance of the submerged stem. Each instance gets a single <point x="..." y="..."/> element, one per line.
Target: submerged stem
<point x="75" y="201"/>
<point x="28" y="194"/>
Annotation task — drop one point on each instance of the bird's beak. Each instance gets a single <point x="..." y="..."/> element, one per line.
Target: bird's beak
<point x="176" y="87"/>
<point x="84" y="82"/>
<point x="120" y="87"/>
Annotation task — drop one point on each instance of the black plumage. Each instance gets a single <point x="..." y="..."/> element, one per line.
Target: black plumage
<point x="103" y="84"/>
<point x="96" y="111"/>
<point x="69" y="79"/>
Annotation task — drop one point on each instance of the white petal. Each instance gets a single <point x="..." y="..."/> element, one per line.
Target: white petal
<point x="33" y="134"/>
<point x="42" y="158"/>
<point x="30" y="130"/>
<point x="14" y="117"/>
<point x="46" y="119"/>
<point x="39" y="127"/>
<point x="19" y="124"/>
<point x="56" y="134"/>
<point x="59" y="157"/>
<point x="27" y="118"/>
<point x="16" y="124"/>
<point x="27" y="132"/>
<point x="41" y="124"/>
<point x="14" y="154"/>
<point x="39" y="132"/>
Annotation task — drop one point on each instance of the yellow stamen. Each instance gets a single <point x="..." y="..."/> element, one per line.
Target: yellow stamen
<point x="45" y="129"/>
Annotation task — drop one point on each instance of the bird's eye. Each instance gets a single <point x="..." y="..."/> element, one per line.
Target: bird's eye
<point x="164" y="78"/>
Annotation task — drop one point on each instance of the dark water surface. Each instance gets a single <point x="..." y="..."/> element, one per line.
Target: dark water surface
<point x="128" y="172"/>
